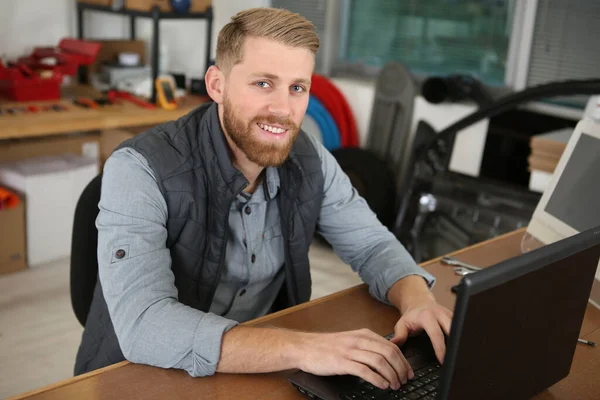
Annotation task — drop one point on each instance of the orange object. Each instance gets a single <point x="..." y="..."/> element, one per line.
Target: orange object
<point x="165" y="90"/>
<point x="8" y="199"/>
<point x="85" y="102"/>
<point x="117" y="94"/>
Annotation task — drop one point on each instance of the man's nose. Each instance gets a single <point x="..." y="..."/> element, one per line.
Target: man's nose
<point x="279" y="104"/>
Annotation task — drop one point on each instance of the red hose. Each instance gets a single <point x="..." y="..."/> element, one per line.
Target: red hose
<point x="335" y="102"/>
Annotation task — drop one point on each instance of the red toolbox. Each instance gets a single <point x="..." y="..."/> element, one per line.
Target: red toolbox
<point x="39" y="75"/>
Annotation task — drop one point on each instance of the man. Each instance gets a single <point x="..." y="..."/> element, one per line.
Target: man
<point x="206" y="222"/>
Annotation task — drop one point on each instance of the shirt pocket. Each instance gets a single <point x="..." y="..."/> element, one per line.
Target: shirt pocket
<point x="273" y="246"/>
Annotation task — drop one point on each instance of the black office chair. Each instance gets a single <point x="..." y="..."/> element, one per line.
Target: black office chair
<point x="84" y="243"/>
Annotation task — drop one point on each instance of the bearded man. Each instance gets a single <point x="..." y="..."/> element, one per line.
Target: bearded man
<point x="206" y="222"/>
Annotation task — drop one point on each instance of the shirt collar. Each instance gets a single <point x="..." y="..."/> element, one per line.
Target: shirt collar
<point x="270" y="186"/>
<point x="272" y="182"/>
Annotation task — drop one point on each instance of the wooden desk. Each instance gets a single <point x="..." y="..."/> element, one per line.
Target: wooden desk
<point x="78" y="119"/>
<point x="350" y="309"/>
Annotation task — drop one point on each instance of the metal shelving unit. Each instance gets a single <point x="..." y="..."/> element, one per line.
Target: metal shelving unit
<point x="156" y="15"/>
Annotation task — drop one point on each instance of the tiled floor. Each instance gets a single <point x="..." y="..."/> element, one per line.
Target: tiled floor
<point x="39" y="334"/>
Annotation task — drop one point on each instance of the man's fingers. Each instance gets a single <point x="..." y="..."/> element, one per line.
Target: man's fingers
<point x="444" y="317"/>
<point x="445" y="311"/>
<point x="380" y="364"/>
<point x="366" y="373"/>
<point x="400" y="334"/>
<point x="432" y="327"/>
<point x="378" y="344"/>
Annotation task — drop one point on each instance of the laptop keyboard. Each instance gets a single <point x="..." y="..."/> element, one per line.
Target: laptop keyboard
<point x="423" y="387"/>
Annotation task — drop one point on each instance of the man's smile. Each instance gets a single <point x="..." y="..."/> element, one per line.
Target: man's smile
<point x="272" y="128"/>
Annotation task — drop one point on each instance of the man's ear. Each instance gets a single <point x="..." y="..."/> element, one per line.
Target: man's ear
<point x="215" y="83"/>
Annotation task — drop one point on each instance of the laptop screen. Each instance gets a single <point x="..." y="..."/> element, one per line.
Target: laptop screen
<point x="576" y="196"/>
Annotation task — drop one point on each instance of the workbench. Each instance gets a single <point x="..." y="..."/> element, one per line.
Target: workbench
<point x="78" y="119"/>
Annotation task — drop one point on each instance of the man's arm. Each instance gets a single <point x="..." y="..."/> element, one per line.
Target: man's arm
<point x="361" y="353"/>
<point x="408" y="293"/>
<point x="152" y="326"/>
<point x="358" y="237"/>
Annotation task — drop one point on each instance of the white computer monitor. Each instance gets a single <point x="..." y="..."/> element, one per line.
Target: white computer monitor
<point x="571" y="202"/>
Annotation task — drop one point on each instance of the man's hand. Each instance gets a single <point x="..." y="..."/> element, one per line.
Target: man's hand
<point x="361" y="353"/>
<point x="420" y="312"/>
<point x="431" y="317"/>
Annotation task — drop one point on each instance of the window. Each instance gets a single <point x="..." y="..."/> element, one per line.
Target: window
<point x="431" y="37"/>
<point x="513" y="43"/>
<point x="315" y="12"/>
<point x="565" y="45"/>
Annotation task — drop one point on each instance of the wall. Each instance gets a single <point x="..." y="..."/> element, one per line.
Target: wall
<point x="28" y="23"/>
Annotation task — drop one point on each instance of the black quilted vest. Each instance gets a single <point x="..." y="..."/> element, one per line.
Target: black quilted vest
<point x="192" y="165"/>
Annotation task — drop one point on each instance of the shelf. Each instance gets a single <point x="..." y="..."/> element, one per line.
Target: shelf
<point x="146" y="14"/>
<point x="156" y="16"/>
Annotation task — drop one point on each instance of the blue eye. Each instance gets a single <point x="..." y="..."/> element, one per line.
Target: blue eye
<point x="297" y="88"/>
<point x="262" y="84"/>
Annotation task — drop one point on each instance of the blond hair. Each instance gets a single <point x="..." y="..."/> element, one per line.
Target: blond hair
<point x="284" y="26"/>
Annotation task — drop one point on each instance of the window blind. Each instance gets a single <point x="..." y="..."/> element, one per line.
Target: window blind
<point x="315" y="12"/>
<point x="566" y="43"/>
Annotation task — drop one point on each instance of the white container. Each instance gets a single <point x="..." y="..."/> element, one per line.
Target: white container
<point x="51" y="186"/>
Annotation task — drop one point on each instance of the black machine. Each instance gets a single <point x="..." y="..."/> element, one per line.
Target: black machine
<point x="439" y="211"/>
<point x="513" y="334"/>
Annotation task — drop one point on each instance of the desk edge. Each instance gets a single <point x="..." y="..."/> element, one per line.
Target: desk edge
<point x="68" y="381"/>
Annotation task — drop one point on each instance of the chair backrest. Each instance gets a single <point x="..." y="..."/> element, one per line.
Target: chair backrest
<point x="84" y="244"/>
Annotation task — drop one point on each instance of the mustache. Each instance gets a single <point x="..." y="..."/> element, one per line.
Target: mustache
<point x="273" y="120"/>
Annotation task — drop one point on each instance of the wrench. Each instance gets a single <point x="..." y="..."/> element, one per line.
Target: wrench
<point x="462" y="268"/>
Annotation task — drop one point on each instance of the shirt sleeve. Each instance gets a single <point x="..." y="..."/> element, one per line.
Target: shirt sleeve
<point x="358" y="237"/>
<point x="134" y="264"/>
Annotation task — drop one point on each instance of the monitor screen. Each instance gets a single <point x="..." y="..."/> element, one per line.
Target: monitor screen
<point x="576" y="195"/>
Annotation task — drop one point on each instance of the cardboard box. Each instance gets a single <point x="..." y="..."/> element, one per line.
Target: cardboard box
<point x="97" y="2"/>
<point x="147" y="5"/>
<point x="51" y="186"/>
<point x="12" y="239"/>
<point x="85" y="144"/>
<point x="110" y="52"/>
<point x="165" y="5"/>
<point x="552" y="143"/>
<point x="200" y="5"/>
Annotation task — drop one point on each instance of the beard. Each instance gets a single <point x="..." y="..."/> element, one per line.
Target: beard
<point x="260" y="152"/>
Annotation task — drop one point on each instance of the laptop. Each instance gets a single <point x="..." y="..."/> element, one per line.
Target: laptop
<point x="515" y="328"/>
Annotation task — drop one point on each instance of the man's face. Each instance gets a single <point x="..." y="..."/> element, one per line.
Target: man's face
<point x="265" y="98"/>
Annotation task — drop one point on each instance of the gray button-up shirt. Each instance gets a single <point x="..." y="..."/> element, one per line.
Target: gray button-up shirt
<point x="154" y="328"/>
